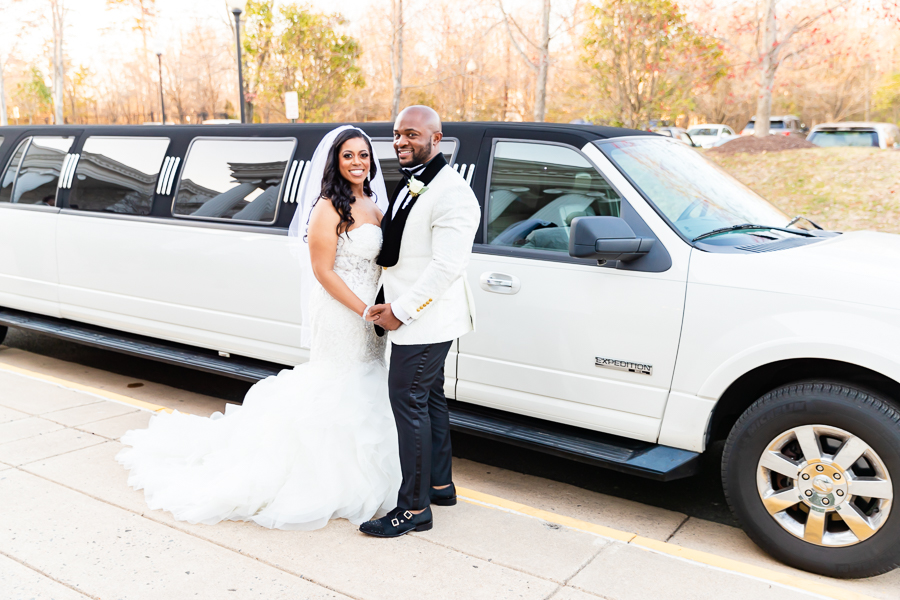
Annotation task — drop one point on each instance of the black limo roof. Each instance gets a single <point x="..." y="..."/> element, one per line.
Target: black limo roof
<point x="380" y="129"/>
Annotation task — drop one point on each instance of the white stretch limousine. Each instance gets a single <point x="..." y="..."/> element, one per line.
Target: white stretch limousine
<point x="636" y="304"/>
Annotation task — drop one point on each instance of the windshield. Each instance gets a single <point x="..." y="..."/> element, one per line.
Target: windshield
<point x="772" y="125"/>
<point x="694" y="194"/>
<point x="827" y="139"/>
<point x="703" y="131"/>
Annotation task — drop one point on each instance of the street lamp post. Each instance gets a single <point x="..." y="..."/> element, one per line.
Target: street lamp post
<point x="237" y="7"/>
<point x="162" y="101"/>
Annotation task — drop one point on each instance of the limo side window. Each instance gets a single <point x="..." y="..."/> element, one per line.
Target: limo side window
<point x="536" y="189"/>
<point x="118" y="174"/>
<point x="38" y="172"/>
<point x="233" y="179"/>
<point x="9" y="175"/>
<point x="390" y="164"/>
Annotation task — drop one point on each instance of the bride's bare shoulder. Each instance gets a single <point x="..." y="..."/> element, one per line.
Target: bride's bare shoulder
<point x="324" y="216"/>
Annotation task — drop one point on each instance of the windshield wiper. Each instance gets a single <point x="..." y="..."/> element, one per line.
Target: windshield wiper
<point x="807" y="219"/>
<point x="751" y="226"/>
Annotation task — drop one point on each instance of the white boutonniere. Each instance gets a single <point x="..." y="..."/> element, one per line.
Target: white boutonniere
<point x="416" y="188"/>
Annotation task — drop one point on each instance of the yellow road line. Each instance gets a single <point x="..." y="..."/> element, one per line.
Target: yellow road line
<point x="86" y="389"/>
<point x="482" y="499"/>
<point x="698" y="556"/>
<point x="487" y="499"/>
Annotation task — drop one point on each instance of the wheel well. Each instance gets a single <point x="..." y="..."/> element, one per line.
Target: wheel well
<point x="748" y="388"/>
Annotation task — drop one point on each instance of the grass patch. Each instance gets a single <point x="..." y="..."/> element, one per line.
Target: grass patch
<point x="842" y="189"/>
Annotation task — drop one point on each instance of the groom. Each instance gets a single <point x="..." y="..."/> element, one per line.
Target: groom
<point x="428" y="232"/>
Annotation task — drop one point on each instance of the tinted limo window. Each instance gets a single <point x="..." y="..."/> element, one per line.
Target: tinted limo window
<point x="233" y="179"/>
<point x="117" y="174"/>
<point x="38" y="173"/>
<point x="390" y="164"/>
<point x="9" y="175"/>
<point x="537" y="189"/>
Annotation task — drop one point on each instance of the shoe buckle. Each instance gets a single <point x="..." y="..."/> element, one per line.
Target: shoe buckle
<point x="408" y="515"/>
<point x="395" y="522"/>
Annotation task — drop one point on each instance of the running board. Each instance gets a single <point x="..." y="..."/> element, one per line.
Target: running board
<point x="645" y="459"/>
<point x="653" y="461"/>
<point x="173" y="353"/>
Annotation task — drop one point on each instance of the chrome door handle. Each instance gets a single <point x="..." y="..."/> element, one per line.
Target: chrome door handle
<point x="500" y="283"/>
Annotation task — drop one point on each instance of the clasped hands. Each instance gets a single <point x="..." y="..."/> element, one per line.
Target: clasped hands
<point x="383" y="316"/>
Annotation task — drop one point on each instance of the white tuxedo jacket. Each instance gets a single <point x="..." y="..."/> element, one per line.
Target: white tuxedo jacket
<point x="429" y="280"/>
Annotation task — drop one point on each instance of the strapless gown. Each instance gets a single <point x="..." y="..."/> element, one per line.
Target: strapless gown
<point x="313" y="443"/>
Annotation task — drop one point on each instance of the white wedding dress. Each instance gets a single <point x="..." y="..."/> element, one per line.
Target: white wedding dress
<point x="313" y="443"/>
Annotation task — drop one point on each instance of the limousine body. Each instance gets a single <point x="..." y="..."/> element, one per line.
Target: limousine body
<point x="636" y="304"/>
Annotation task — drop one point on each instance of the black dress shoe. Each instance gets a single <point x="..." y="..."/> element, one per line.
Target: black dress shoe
<point x="444" y="496"/>
<point x="398" y="522"/>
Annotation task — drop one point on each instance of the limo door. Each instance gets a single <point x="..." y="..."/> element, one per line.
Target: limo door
<point x="29" y="189"/>
<point x="557" y="338"/>
<point x="206" y="266"/>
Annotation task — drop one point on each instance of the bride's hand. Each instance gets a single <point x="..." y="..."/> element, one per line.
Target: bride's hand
<point x="383" y="316"/>
<point x="374" y="312"/>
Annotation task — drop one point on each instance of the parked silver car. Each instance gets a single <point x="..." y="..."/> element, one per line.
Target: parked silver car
<point x="856" y="133"/>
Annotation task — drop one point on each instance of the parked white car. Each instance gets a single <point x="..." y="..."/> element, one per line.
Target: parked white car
<point x="677" y="133"/>
<point x="636" y="304"/>
<point x="706" y="135"/>
<point x="780" y="125"/>
<point x="858" y="134"/>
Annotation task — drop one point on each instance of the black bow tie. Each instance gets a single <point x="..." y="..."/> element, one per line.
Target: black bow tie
<point x="410" y="173"/>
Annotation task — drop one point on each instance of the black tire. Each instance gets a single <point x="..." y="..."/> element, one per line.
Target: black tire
<point x="859" y="413"/>
<point x="3" y="332"/>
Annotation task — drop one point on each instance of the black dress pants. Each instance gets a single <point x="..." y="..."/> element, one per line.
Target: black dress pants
<point x="416" y="384"/>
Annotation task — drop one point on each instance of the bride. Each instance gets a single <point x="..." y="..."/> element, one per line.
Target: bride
<point x="316" y="442"/>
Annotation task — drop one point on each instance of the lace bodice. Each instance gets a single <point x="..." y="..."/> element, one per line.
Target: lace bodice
<point x="339" y="334"/>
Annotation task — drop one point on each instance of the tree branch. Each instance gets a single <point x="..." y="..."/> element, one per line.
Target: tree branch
<point x="512" y="38"/>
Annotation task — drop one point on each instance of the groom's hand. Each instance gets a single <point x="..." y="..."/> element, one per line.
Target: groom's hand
<point x="383" y="316"/>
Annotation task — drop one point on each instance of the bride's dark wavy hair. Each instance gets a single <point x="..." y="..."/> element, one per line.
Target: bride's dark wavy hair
<point x="335" y="187"/>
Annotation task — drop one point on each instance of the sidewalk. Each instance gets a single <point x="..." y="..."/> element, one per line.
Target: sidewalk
<point x="70" y="528"/>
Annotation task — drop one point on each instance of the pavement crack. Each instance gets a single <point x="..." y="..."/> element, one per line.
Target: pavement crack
<point x="191" y="534"/>
<point x="489" y="561"/>
<point x="677" y="529"/>
<point x="587" y="562"/>
<point x="101" y="440"/>
<point x="48" y="576"/>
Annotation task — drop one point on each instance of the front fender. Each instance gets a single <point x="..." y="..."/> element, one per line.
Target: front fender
<point x="729" y="332"/>
<point x="781" y="350"/>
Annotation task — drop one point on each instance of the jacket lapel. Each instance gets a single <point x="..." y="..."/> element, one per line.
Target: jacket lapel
<point x="392" y="227"/>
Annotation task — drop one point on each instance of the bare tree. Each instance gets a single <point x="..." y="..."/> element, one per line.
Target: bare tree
<point x="774" y="51"/>
<point x="3" y="121"/>
<point x="540" y="66"/>
<point x="144" y="15"/>
<point x="57" y="16"/>
<point x="397" y="25"/>
<point x="7" y="49"/>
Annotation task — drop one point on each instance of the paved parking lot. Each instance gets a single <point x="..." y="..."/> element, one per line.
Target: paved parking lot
<point x="71" y="528"/>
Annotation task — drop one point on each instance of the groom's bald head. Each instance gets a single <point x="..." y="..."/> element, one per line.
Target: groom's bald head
<point x="417" y="135"/>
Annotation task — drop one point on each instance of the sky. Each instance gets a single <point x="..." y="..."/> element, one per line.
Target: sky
<point x="93" y="31"/>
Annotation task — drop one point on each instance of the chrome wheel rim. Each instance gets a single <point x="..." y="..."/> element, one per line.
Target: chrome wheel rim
<point x="824" y="485"/>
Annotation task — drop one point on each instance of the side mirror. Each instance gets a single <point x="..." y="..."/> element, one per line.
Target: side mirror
<point x="606" y="238"/>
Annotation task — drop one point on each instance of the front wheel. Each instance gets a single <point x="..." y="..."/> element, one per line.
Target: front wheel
<point x="3" y="332"/>
<point x="810" y="470"/>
